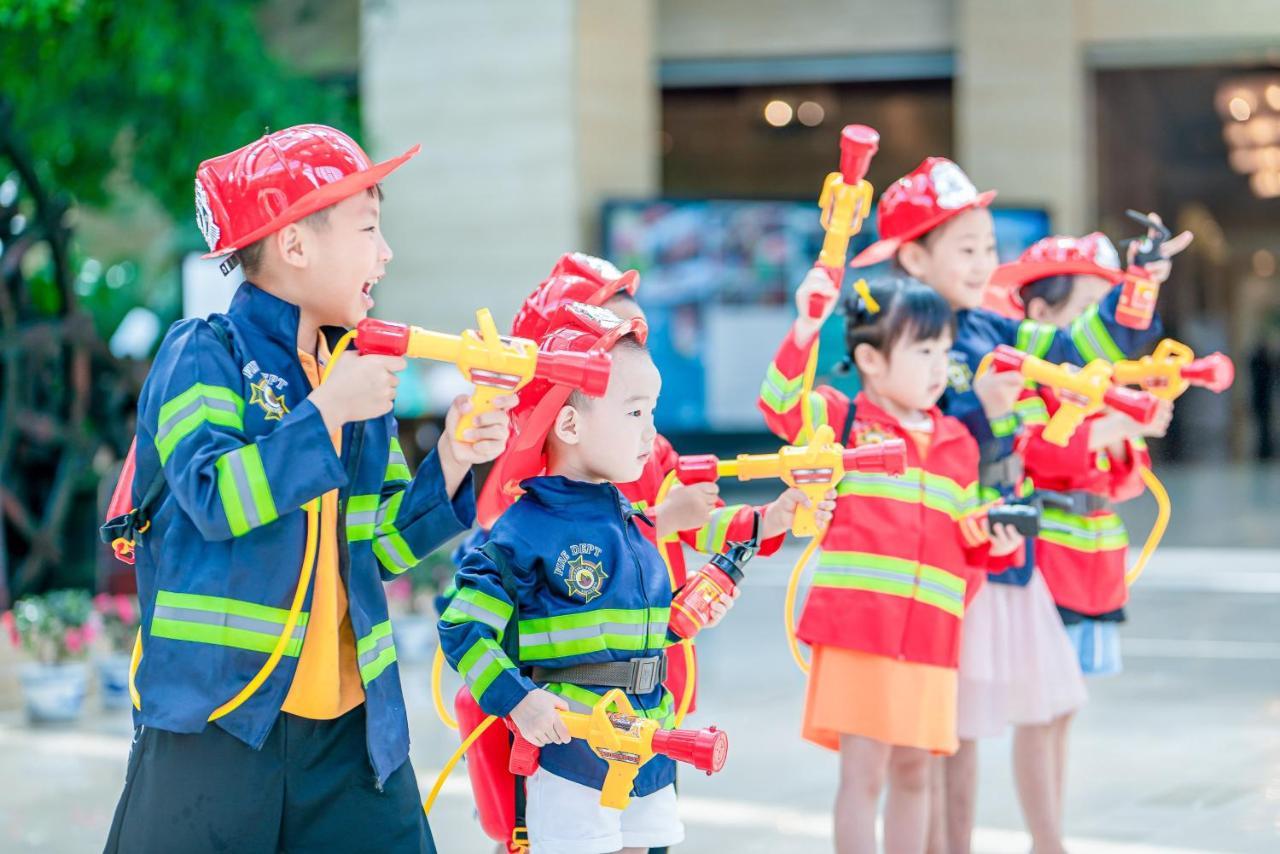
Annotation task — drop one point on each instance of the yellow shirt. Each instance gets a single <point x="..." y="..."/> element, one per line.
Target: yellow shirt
<point x="326" y="684"/>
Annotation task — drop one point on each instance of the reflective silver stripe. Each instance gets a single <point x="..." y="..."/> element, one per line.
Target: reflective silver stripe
<point x="364" y="517"/>
<point x="385" y="642"/>
<point x="940" y="589"/>
<point x="475" y="612"/>
<point x="230" y="621"/>
<point x="163" y="431"/>
<point x="885" y="574"/>
<point x="478" y="666"/>
<point x="235" y="464"/>
<point x="582" y="633"/>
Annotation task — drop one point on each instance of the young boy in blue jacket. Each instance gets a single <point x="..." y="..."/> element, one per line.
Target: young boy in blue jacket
<point x="591" y="594"/>
<point x="263" y="467"/>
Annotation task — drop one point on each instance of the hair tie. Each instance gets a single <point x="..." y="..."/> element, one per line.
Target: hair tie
<point x="861" y="289"/>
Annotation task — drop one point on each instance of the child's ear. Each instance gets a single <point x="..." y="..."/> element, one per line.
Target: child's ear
<point x="566" y="427"/>
<point x="914" y="258"/>
<point x="1038" y="310"/>
<point x="292" y="244"/>
<point x="869" y="360"/>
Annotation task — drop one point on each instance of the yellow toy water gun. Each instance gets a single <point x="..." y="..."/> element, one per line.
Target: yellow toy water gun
<point x="1173" y="368"/>
<point x="1083" y="391"/>
<point x="496" y="364"/>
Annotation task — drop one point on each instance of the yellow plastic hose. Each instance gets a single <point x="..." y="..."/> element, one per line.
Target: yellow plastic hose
<point x="437" y="695"/>
<point x="1164" y="509"/>
<point x="789" y="606"/>
<point x="453" y="760"/>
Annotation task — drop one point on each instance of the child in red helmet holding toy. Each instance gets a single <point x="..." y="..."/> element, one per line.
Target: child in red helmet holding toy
<point x="935" y="225"/>
<point x="268" y="705"/>
<point x="1082" y="547"/>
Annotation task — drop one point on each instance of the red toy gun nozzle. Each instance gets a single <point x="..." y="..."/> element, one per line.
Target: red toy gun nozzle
<point x="587" y="371"/>
<point x="888" y="457"/>
<point x="1005" y="359"/>
<point x="697" y="468"/>
<point x="858" y="144"/>
<point x="704" y="749"/>
<point x="1215" y="372"/>
<point x="1141" y="406"/>
<point x="382" y="337"/>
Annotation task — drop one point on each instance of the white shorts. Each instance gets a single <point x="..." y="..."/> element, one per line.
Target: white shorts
<point x="565" y="817"/>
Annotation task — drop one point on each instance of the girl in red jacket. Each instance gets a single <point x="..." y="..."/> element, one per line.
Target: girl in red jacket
<point x="901" y="558"/>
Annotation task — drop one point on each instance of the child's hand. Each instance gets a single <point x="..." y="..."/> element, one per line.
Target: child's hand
<point x="1159" y="270"/>
<point x="686" y="508"/>
<point x="487" y="436"/>
<point x="1158" y="427"/>
<point x="816" y="282"/>
<point x="1005" y="539"/>
<point x="720" y="607"/>
<point x="536" y="718"/>
<point x="779" y="516"/>
<point x="997" y="392"/>
<point x="359" y="388"/>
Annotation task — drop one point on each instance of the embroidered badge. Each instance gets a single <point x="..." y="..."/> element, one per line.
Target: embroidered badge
<point x="204" y="218"/>
<point x="272" y="404"/>
<point x="951" y="186"/>
<point x="959" y="376"/>
<point x="583" y="576"/>
<point x="868" y="434"/>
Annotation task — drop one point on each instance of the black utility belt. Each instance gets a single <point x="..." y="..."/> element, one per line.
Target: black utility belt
<point x="635" y="676"/>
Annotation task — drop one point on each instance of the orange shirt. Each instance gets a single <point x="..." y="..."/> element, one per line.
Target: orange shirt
<point x="326" y="684"/>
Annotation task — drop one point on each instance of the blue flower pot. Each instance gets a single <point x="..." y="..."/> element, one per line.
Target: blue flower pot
<point x="54" y="693"/>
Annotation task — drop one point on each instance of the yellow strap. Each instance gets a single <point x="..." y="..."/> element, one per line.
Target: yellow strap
<point x="437" y="695"/>
<point x="1164" y="509"/>
<point x="690" y="668"/>
<point x="453" y="760"/>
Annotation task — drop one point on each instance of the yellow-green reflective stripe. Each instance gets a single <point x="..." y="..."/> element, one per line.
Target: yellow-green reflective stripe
<point x="584" y="700"/>
<point x="200" y="404"/>
<point x="1032" y="410"/>
<point x="362" y="517"/>
<point x="243" y="488"/>
<point x="1035" y="338"/>
<point x="375" y="652"/>
<point x="397" y="465"/>
<point x="482" y="664"/>
<point x="224" y="622"/>
<point x="640" y="505"/>
<point x="711" y="536"/>
<point x="817" y="405"/>
<point x="779" y="392"/>
<point x="893" y="576"/>
<point x="1083" y="533"/>
<point x="602" y="630"/>
<point x="914" y="486"/>
<point x="1092" y="339"/>
<point x="390" y="547"/>
<point x="474" y="606"/>
<point x="1005" y="425"/>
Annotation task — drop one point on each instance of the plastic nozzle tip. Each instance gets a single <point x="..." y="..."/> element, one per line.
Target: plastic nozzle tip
<point x="1215" y="372"/>
<point x="858" y="144"/>
<point x="1004" y="359"/>
<point x="704" y="749"/>
<point x="382" y="337"/>
<point x="697" y="468"/>
<point x="887" y="457"/>
<point x="588" y="372"/>
<point x="1138" y="405"/>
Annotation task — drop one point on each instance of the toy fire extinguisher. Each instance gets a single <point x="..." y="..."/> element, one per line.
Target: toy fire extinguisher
<point x="1137" y="306"/>
<point x="715" y="582"/>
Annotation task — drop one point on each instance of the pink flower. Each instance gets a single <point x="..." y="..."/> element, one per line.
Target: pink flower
<point x="74" y="640"/>
<point x="102" y="603"/>
<point x="124" y="607"/>
<point x="11" y="626"/>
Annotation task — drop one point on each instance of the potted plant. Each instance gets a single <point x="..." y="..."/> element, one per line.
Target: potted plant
<point x="412" y="600"/>
<point x="56" y="630"/>
<point x="119" y="617"/>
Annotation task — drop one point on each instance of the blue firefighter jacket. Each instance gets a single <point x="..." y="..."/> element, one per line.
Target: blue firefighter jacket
<point x="243" y="451"/>
<point x="590" y="588"/>
<point x="1095" y="334"/>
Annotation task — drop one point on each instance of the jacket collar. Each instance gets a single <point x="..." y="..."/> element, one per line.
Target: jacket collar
<point x="560" y="493"/>
<point x="944" y="429"/>
<point x="270" y="315"/>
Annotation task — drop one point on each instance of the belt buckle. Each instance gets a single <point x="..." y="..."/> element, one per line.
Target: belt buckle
<point x="644" y="674"/>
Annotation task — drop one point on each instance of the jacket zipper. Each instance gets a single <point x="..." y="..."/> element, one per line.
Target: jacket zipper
<point x="644" y="591"/>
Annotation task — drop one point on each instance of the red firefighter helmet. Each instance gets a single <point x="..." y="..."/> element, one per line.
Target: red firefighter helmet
<point x="1091" y="255"/>
<point x="919" y="202"/>
<point x="577" y="327"/>
<point x="254" y="191"/>
<point x="576" y="277"/>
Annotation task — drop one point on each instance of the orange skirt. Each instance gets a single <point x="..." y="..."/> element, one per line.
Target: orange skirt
<point x="901" y="703"/>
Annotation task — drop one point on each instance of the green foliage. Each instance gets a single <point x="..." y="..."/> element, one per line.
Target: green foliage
<point x="149" y="88"/>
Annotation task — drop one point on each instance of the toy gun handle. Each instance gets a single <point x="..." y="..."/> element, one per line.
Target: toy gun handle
<point x="525" y="756"/>
<point x="887" y="457"/>
<point x="1141" y="406"/>
<point x="1216" y="372"/>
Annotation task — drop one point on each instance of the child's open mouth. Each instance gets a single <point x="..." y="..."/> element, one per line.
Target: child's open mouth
<point x="366" y="291"/>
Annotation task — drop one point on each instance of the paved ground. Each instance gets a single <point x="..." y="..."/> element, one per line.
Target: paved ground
<point x="1181" y="753"/>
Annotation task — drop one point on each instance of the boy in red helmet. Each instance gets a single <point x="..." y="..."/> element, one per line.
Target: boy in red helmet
<point x="259" y="465"/>
<point x="692" y="515"/>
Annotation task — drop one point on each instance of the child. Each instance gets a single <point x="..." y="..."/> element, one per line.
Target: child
<point x="692" y="515"/>
<point x="884" y="613"/>
<point x="1081" y="550"/>
<point x="1016" y="666"/>
<point x="252" y="450"/>
<point x="590" y="593"/>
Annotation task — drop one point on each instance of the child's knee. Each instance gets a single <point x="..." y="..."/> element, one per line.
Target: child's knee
<point x="909" y="770"/>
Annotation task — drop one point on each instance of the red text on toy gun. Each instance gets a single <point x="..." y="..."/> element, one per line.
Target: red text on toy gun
<point x="691" y="609"/>
<point x="814" y="468"/>
<point x="497" y="365"/>
<point x="627" y="741"/>
<point x="1083" y="391"/>
<point x="1173" y="368"/>
<point x="845" y="201"/>
<point x="1137" y="305"/>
